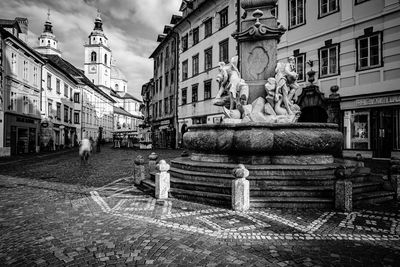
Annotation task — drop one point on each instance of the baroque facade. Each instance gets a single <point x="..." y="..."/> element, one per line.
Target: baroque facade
<point x="353" y="48"/>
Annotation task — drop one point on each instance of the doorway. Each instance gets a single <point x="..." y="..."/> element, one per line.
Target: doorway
<point x="382" y="132"/>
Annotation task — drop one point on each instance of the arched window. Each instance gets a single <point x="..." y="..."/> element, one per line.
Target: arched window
<point x="105" y="59"/>
<point x="93" y="56"/>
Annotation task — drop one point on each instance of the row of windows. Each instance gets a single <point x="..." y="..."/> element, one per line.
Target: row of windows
<point x="297" y="10"/>
<point x="223" y="57"/>
<point x="67" y="89"/>
<point x="168" y="107"/>
<point x="223" y="22"/>
<point x="169" y="79"/>
<point x="23" y="104"/>
<point x="369" y="55"/>
<point x="25" y="69"/>
<point x="67" y="111"/>
<point x="195" y="89"/>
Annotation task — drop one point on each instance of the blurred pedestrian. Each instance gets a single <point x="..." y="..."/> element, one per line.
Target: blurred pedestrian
<point x="85" y="150"/>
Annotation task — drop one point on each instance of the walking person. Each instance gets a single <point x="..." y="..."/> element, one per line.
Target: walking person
<point x="85" y="150"/>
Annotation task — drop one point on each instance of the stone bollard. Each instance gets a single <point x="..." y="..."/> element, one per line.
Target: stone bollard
<point x="162" y="180"/>
<point x="344" y="195"/>
<point x="139" y="173"/>
<point x="240" y="189"/>
<point x="152" y="162"/>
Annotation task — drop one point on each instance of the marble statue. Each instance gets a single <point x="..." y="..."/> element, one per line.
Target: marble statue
<point x="278" y="105"/>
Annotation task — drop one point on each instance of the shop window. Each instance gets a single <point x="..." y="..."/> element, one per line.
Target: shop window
<point x="357" y="130"/>
<point x="329" y="60"/>
<point x="327" y="7"/>
<point x="296" y="13"/>
<point x="369" y="51"/>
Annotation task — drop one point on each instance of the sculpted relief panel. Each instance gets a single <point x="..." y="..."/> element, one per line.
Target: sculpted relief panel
<point x="257" y="62"/>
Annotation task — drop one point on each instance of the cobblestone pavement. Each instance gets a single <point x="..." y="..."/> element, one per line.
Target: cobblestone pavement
<point x="64" y="166"/>
<point x="46" y="223"/>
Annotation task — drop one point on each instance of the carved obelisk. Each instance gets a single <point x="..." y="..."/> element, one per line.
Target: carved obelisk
<point x="258" y="38"/>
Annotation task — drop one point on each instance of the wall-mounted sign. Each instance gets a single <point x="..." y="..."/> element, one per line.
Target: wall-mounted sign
<point x="383" y="100"/>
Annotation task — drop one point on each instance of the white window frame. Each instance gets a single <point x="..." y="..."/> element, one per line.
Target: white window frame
<point x="368" y="37"/>
<point x="297" y="23"/>
<point x="303" y="77"/>
<point x="329" y="73"/>
<point x="328" y="6"/>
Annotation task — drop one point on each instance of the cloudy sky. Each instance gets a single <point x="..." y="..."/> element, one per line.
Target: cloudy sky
<point x="130" y="25"/>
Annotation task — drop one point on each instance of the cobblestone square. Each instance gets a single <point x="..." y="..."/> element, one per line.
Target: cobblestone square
<point x="86" y="220"/>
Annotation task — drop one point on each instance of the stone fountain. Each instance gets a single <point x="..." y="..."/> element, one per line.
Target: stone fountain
<point x="291" y="164"/>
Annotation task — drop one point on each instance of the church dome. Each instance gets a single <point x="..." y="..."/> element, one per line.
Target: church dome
<point x="117" y="74"/>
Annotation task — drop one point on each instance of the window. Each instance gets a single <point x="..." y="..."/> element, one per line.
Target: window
<point x="160" y="83"/>
<point x="76" y="117"/>
<point x="184" y="70"/>
<point x="357" y="129"/>
<point x="156" y="86"/>
<point x="196" y="36"/>
<point x="184" y="96"/>
<point x="25" y="104"/>
<point x="160" y="108"/>
<point x="58" y="111"/>
<point x="300" y="61"/>
<point x="207" y="27"/>
<point x="25" y="71"/>
<point x="35" y="75"/>
<point x="58" y="86"/>
<point x="369" y="51"/>
<point x="172" y="76"/>
<point x="93" y="57"/>
<point x="223" y="18"/>
<point x="195" y="65"/>
<point x="207" y="89"/>
<point x="296" y="13"/>
<point x="208" y="59"/>
<point x="166" y="102"/>
<point x="50" y="108"/>
<point x="167" y="52"/>
<point x="13" y="102"/>
<point x="49" y="81"/>
<point x="66" y="90"/>
<point x="14" y="63"/>
<point x="327" y="7"/>
<point x="185" y="43"/>
<point x="76" y="98"/>
<point x="194" y="93"/>
<point x="70" y="93"/>
<point x="223" y="51"/>
<point x="105" y="59"/>
<point x="166" y="78"/>
<point x="329" y="61"/>
<point x="171" y="105"/>
<point x="66" y="109"/>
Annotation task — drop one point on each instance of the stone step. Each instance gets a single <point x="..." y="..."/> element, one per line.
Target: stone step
<point x="291" y="202"/>
<point x="201" y="186"/>
<point x="364" y="187"/>
<point x="202" y="197"/>
<point x="372" y="197"/>
<point x="293" y="191"/>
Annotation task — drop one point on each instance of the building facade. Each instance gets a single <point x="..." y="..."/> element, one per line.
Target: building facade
<point x="353" y="46"/>
<point x="21" y="86"/>
<point x="205" y="39"/>
<point x="164" y="94"/>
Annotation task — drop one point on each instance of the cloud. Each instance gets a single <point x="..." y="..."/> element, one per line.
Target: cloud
<point x="131" y="26"/>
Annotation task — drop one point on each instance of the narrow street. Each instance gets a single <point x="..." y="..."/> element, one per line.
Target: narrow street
<point x="55" y="212"/>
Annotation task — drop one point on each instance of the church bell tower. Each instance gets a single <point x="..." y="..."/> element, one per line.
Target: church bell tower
<point x="97" y="64"/>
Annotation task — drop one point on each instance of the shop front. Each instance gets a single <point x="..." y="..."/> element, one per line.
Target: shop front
<point x="372" y="126"/>
<point x="21" y="133"/>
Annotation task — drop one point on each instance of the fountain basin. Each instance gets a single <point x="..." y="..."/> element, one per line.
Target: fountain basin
<point x="265" y="139"/>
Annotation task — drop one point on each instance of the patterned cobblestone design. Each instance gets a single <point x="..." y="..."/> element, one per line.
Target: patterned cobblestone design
<point x="53" y="224"/>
